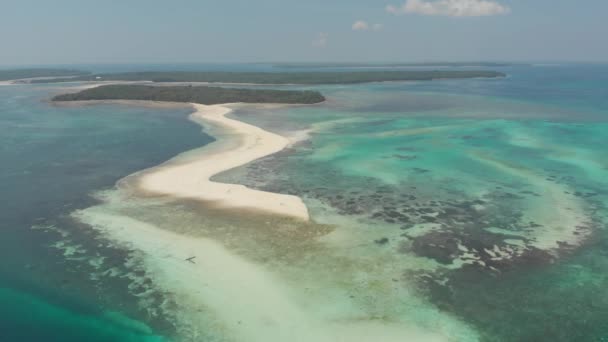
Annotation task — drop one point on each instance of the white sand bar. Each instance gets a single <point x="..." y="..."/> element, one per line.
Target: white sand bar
<point x="191" y="179"/>
<point x="221" y="295"/>
<point x="248" y="302"/>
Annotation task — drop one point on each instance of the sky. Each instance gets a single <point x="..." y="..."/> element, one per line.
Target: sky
<point x="200" y="31"/>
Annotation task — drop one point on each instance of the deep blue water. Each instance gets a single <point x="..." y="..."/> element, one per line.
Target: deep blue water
<point x="52" y="159"/>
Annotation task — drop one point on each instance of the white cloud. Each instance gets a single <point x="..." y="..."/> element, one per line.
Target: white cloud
<point x="362" y="25"/>
<point x="377" y="27"/>
<point x="321" y="40"/>
<point x="451" y="8"/>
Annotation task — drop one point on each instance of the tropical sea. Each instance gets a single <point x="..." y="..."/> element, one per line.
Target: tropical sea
<point x="471" y="209"/>
<point x="51" y="284"/>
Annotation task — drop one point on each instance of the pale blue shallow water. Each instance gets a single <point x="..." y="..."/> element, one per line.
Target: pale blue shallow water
<point x="496" y="166"/>
<point x="502" y="163"/>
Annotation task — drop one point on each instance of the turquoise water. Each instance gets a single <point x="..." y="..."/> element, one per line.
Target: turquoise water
<point x="502" y="183"/>
<point x="52" y="159"/>
<point x="27" y="318"/>
<point x="481" y="202"/>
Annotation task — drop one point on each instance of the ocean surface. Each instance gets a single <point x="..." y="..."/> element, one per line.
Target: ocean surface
<point x="472" y="208"/>
<point x="53" y="158"/>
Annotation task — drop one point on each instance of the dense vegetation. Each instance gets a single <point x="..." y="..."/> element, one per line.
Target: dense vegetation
<point x="202" y="95"/>
<point x="17" y="74"/>
<point x="393" y="65"/>
<point x="285" y="77"/>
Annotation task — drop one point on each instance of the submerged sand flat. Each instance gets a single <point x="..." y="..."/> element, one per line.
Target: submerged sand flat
<point x="224" y="296"/>
<point x="561" y="213"/>
<point x="191" y="179"/>
<point x="327" y="294"/>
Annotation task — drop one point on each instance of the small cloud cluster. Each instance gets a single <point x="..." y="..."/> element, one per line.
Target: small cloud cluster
<point x="447" y="8"/>
<point x="321" y="40"/>
<point x="450" y="8"/>
<point x="361" y="25"/>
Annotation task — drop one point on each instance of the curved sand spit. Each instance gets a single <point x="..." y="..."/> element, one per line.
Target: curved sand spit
<point x="222" y="292"/>
<point x="191" y="179"/>
<point x="247" y="301"/>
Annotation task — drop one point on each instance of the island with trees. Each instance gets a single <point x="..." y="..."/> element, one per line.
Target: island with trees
<point x="314" y="65"/>
<point x="298" y="78"/>
<point x="19" y="74"/>
<point x="197" y="94"/>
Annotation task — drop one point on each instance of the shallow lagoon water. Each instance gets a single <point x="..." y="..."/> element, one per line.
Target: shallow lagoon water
<point x="472" y="210"/>
<point x="500" y="184"/>
<point x="53" y="159"/>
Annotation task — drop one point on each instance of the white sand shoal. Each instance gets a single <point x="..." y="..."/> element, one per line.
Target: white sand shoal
<point x="191" y="179"/>
<point x="222" y="293"/>
<point x="559" y="212"/>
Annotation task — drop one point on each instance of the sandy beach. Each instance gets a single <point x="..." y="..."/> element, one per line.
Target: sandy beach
<point x="239" y="298"/>
<point x="220" y="291"/>
<point x="191" y="179"/>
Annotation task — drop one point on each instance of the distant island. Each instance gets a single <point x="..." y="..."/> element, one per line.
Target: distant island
<point x="197" y="94"/>
<point x="394" y="65"/>
<point x="18" y="74"/>
<point x="301" y="78"/>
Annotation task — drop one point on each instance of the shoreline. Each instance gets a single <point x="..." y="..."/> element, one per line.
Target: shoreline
<point x="210" y="289"/>
<point x="237" y="144"/>
<point x="218" y="288"/>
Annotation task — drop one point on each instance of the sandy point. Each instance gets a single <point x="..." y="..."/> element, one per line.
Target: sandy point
<point x="191" y="179"/>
